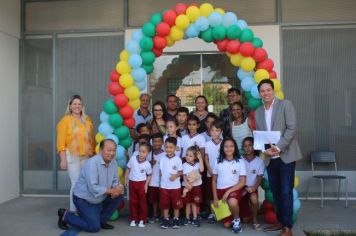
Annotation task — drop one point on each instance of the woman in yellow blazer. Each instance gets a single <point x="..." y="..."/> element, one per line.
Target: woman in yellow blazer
<point x="75" y="140"/>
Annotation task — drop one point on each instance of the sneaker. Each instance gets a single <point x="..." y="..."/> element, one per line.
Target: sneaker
<point x="157" y="219"/>
<point x="196" y="223"/>
<point x="211" y="218"/>
<point x="133" y="223"/>
<point x="165" y="223"/>
<point x="151" y="220"/>
<point x="186" y="222"/>
<point x="236" y="226"/>
<point x="175" y="223"/>
<point x="141" y="224"/>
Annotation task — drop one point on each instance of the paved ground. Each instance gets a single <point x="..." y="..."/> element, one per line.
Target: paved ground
<point x="37" y="216"/>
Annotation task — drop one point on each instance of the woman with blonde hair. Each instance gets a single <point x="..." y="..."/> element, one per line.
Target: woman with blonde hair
<point x="75" y="140"/>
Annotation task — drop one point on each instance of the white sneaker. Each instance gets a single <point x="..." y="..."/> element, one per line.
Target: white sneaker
<point x="141" y="224"/>
<point x="133" y="223"/>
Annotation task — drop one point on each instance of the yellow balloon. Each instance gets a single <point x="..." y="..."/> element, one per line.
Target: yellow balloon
<point x="236" y="59"/>
<point x="123" y="67"/>
<point x="135" y="104"/>
<point x="296" y="181"/>
<point x="248" y="64"/>
<point x="279" y="95"/>
<point x="97" y="148"/>
<point x="260" y="75"/>
<point x="124" y="55"/>
<point x="182" y="22"/>
<point x="170" y="41"/>
<point x="219" y="10"/>
<point x="122" y="181"/>
<point x="277" y="85"/>
<point x="132" y="92"/>
<point x="99" y="137"/>
<point x="176" y="34"/>
<point x="126" y="80"/>
<point x="193" y="13"/>
<point x="206" y="9"/>
<point x="120" y="172"/>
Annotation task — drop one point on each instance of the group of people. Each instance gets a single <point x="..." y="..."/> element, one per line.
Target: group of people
<point x="181" y="163"/>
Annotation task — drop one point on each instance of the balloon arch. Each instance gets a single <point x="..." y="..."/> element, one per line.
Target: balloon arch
<point x="230" y="34"/>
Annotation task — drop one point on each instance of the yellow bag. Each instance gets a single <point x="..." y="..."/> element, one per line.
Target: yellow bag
<point x="222" y="211"/>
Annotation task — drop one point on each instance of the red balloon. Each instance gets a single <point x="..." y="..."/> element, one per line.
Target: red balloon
<point x="130" y="122"/>
<point x="267" y="206"/>
<point x="121" y="100"/>
<point x="126" y="112"/>
<point x="159" y="42"/>
<point x="163" y="29"/>
<point x="222" y="44"/>
<point x="121" y="205"/>
<point x="169" y="17"/>
<point x="115" y="88"/>
<point x="157" y="52"/>
<point x="270" y="217"/>
<point x="180" y="8"/>
<point x="266" y="64"/>
<point x="114" y="76"/>
<point x="233" y="46"/>
<point x="273" y="74"/>
<point x="260" y="54"/>
<point x="247" y="49"/>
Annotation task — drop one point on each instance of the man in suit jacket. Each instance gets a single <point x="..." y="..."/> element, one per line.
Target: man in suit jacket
<point x="279" y="115"/>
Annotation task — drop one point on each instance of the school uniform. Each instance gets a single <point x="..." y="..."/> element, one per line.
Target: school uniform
<point x="195" y="194"/>
<point x="153" y="186"/>
<point x="178" y="151"/>
<point x="212" y="150"/>
<point x="191" y="140"/>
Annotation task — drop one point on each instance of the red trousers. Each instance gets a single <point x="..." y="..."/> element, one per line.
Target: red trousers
<point x="138" y="204"/>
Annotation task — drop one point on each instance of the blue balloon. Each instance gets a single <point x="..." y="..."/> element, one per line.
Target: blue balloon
<point x="133" y="47"/>
<point x="104" y="117"/>
<point x="242" y="24"/>
<point x="122" y="163"/>
<point x="247" y="84"/>
<point x="241" y="74"/>
<point x="137" y="35"/>
<point x="105" y="129"/>
<point x="202" y="23"/>
<point x="191" y="31"/>
<point x="254" y="92"/>
<point x="229" y="19"/>
<point x="295" y="194"/>
<point x="135" y="60"/>
<point x="138" y="74"/>
<point x="120" y="152"/>
<point x="296" y="204"/>
<point x="113" y="137"/>
<point x="215" y="19"/>
<point x="265" y="175"/>
<point x="141" y="85"/>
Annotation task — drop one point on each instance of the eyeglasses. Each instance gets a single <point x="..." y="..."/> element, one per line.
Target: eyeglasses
<point x="157" y="110"/>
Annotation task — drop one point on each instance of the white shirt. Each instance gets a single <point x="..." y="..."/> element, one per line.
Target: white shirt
<point x="136" y="153"/>
<point x="155" y="178"/>
<point x="178" y="146"/>
<point x="170" y="166"/>
<point x="212" y="150"/>
<point x="207" y="136"/>
<point x="187" y="168"/>
<point x="188" y="141"/>
<point x="139" y="170"/>
<point x="268" y="117"/>
<point x="254" y="168"/>
<point x="229" y="172"/>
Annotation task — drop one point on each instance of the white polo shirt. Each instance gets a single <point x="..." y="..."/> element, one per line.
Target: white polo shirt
<point x="136" y="153"/>
<point x="229" y="172"/>
<point x="254" y="168"/>
<point x="212" y="150"/>
<point x="155" y="178"/>
<point x="191" y="140"/>
<point x="139" y="170"/>
<point x="139" y="118"/>
<point x="187" y="168"/>
<point x="167" y="167"/>
<point x="178" y="146"/>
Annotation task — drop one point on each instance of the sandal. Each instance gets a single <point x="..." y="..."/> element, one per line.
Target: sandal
<point x="257" y="227"/>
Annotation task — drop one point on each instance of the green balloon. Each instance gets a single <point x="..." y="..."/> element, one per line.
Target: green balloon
<point x="295" y="216"/>
<point x="248" y="95"/>
<point x="156" y="18"/>
<point x="233" y="32"/>
<point x="265" y="184"/>
<point x="268" y="195"/>
<point x="109" y="107"/>
<point x="254" y="103"/>
<point x="122" y="132"/>
<point x="257" y="42"/>
<point x="146" y="43"/>
<point x="126" y="143"/>
<point x="148" y="68"/>
<point x="114" y="216"/>
<point x="246" y="35"/>
<point x="219" y="32"/>
<point x="148" y="29"/>
<point x="115" y="120"/>
<point x="207" y="35"/>
<point x="148" y="57"/>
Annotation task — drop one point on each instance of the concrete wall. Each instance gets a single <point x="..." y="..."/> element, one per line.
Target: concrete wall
<point x="9" y="93"/>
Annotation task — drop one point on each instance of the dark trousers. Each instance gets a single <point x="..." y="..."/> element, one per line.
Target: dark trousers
<point x="91" y="215"/>
<point x="281" y="181"/>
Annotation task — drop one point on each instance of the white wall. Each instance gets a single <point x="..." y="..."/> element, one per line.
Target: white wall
<point x="9" y="93"/>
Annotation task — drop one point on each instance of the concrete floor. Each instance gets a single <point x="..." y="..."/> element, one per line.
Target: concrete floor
<point x="37" y="216"/>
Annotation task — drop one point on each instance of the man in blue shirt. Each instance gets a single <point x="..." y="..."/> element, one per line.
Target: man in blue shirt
<point x="97" y="193"/>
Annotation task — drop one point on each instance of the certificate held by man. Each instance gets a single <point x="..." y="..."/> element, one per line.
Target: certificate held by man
<point x="264" y="139"/>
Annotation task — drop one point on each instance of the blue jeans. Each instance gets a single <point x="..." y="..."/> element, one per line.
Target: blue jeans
<point x="281" y="181"/>
<point x="92" y="215"/>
